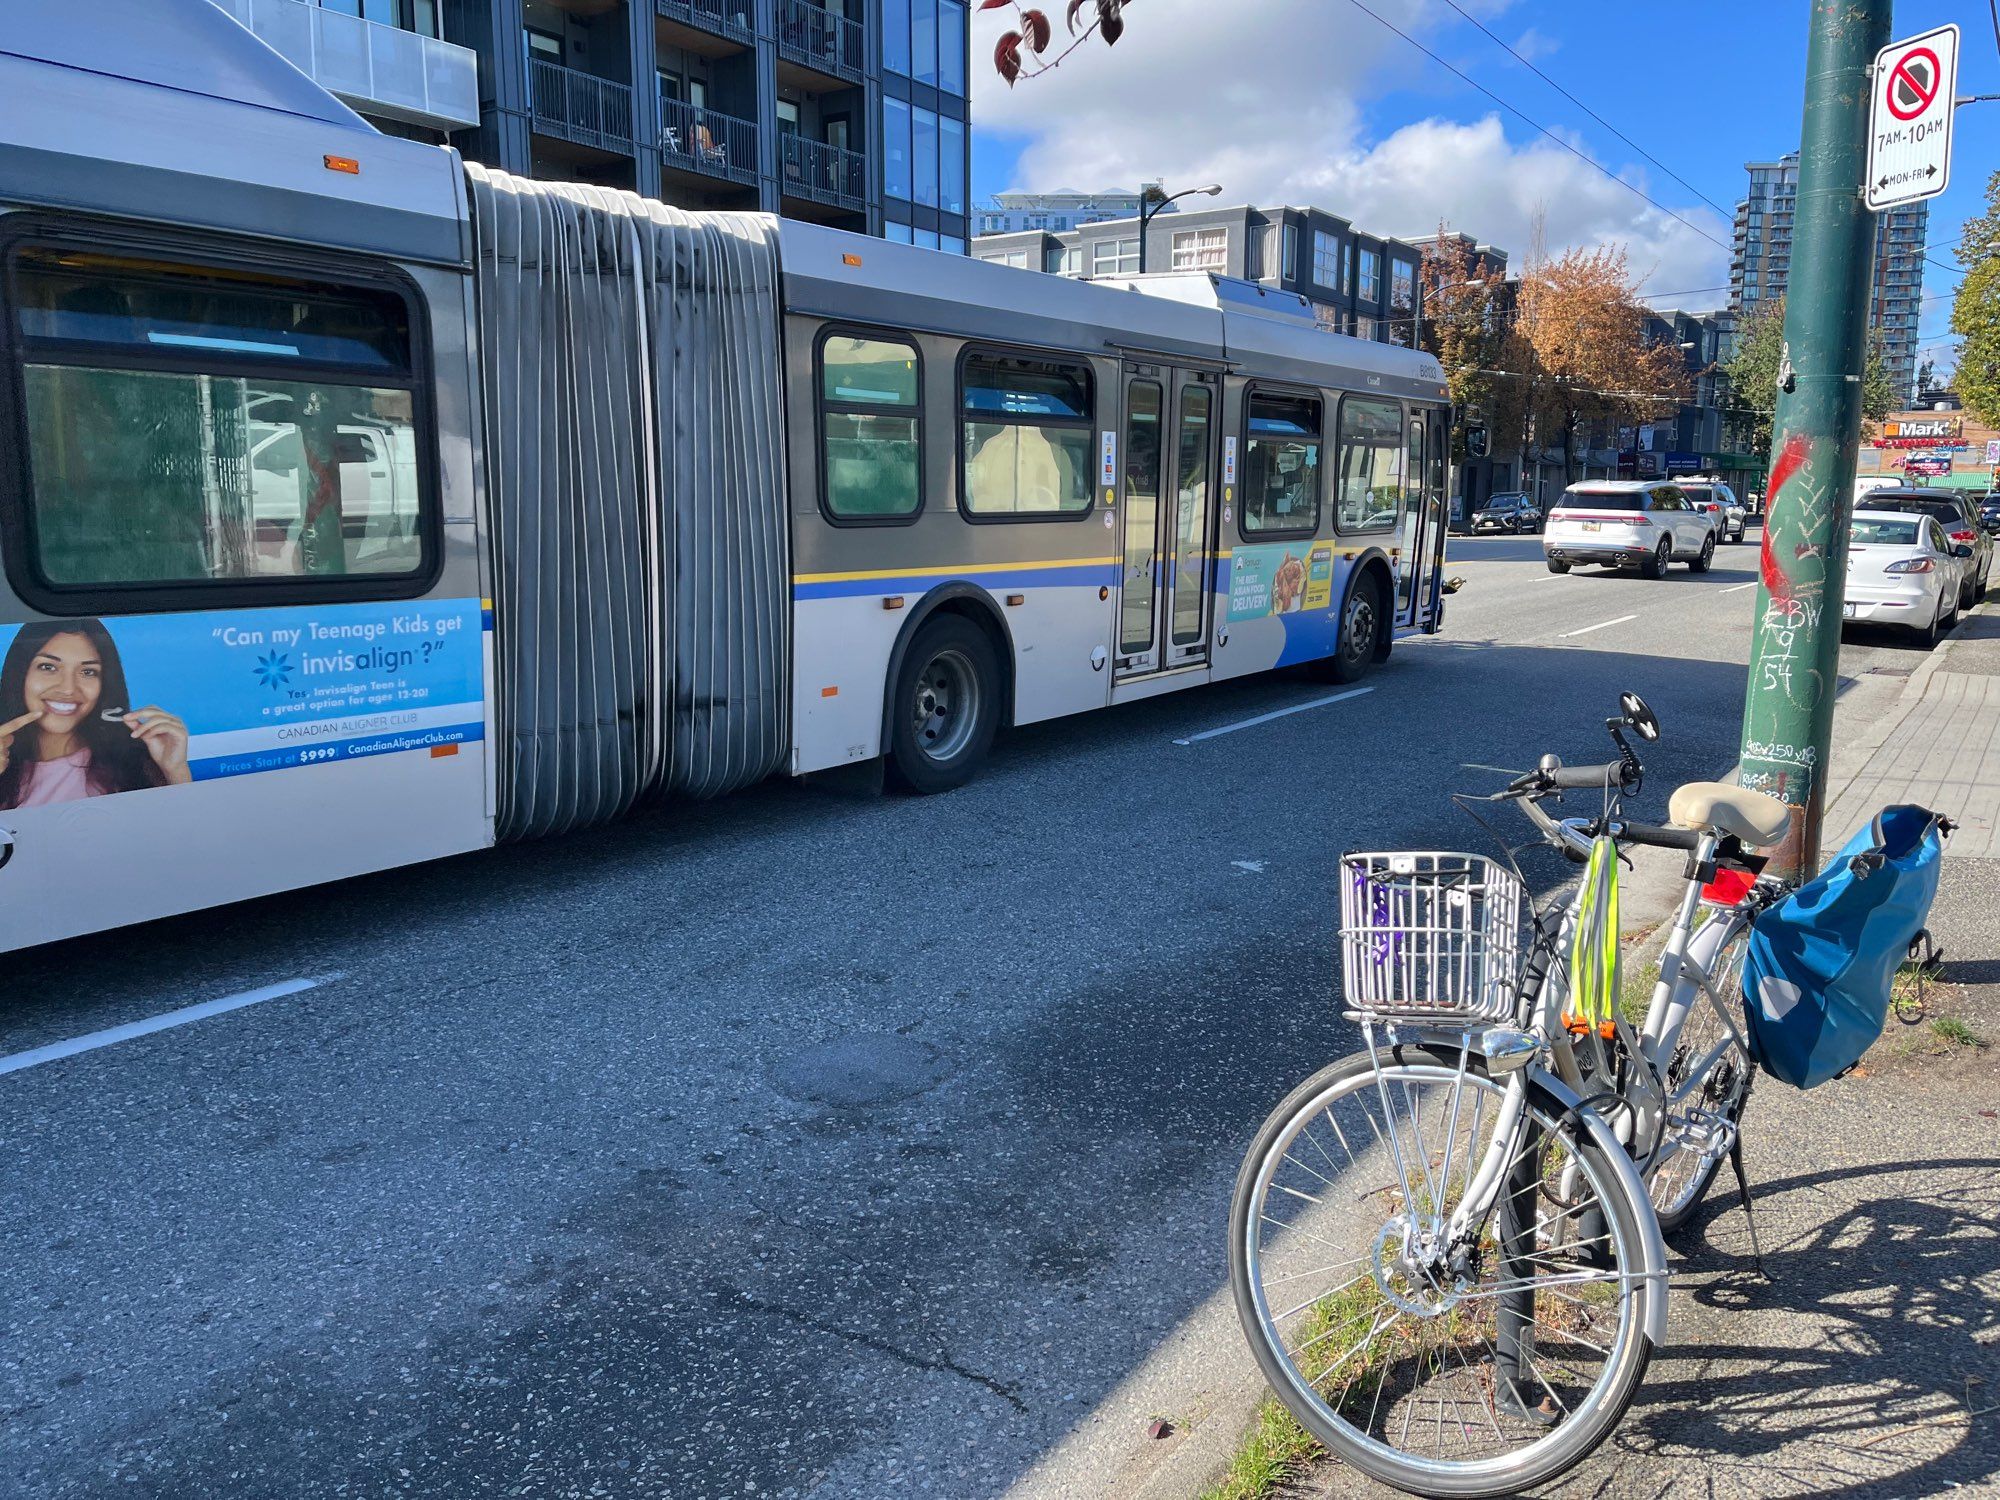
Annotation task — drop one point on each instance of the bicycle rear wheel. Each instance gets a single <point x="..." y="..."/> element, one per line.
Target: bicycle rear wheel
<point x="1699" y="1129"/>
<point x="1474" y="1370"/>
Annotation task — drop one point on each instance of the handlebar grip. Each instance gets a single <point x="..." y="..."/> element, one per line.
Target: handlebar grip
<point x="1687" y="839"/>
<point x="1584" y="778"/>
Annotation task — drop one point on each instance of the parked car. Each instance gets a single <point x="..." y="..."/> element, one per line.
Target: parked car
<point x="1956" y="513"/>
<point x="1989" y="512"/>
<point x="1512" y="511"/>
<point x="1628" y="523"/>
<point x="1720" y="502"/>
<point x="1903" y="570"/>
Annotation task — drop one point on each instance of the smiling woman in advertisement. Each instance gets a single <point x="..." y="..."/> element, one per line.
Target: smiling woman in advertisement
<point x="65" y="732"/>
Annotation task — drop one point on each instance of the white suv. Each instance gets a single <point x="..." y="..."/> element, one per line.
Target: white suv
<point x="1720" y="501"/>
<point x="1628" y="523"/>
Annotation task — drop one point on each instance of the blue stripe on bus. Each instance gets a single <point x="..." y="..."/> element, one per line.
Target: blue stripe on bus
<point x="216" y="766"/>
<point x="996" y="583"/>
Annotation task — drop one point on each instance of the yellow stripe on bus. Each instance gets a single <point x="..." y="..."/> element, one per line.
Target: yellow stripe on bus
<point x="924" y="572"/>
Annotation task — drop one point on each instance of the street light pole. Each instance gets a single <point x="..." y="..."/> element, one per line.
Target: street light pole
<point x="1152" y="200"/>
<point x="1815" y="435"/>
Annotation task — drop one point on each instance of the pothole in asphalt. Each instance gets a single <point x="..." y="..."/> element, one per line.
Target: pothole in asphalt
<point x="863" y="1067"/>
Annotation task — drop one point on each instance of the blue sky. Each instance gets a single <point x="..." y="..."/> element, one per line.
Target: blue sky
<point x="1312" y="101"/>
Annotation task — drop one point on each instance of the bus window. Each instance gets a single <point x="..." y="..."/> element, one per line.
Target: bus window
<point x="1281" y="466"/>
<point x="189" y="424"/>
<point x="871" y="428"/>
<point x="1027" y="436"/>
<point x="1371" y="464"/>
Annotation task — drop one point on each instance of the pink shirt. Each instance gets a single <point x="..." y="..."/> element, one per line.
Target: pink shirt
<point x="65" y="779"/>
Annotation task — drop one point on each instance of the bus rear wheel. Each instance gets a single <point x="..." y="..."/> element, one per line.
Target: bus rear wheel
<point x="944" y="706"/>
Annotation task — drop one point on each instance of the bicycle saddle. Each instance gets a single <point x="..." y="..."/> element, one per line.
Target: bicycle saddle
<point x="1753" y="817"/>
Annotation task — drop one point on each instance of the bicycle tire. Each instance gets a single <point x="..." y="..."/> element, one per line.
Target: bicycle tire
<point x="1569" y="1441"/>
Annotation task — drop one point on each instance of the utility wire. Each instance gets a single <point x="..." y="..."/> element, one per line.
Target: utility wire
<point x="1530" y="120"/>
<point x="1725" y="212"/>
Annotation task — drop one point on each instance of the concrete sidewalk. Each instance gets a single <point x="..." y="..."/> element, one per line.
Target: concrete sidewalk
<point x="1869" y="1365"/>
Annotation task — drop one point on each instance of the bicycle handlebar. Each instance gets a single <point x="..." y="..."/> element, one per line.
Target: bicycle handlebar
<point x="1583" y="778"/>
<point x="1627" y="832"/>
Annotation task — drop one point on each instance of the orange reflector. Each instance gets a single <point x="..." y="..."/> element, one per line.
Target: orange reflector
<point x="439" y="752"/>
<point x="832" y="692"/>
<point x="345" y="164"/>
<point x="894" y="601"/>
<point x="1017" y="598"/>
<point x="1104" y="593"/>
<point x="850" y="260"/>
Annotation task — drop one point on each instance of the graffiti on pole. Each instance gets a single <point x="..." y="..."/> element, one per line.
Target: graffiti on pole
<point x="1795" y="578"/>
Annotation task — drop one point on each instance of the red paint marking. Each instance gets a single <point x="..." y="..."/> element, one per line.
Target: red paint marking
<point x="1791" y="458"/>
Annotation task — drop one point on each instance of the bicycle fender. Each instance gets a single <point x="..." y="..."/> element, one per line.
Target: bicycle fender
<point x="1652" y="1245"/>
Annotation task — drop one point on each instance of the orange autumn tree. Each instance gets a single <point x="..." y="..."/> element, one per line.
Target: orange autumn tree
<point x="1583" y="327"/>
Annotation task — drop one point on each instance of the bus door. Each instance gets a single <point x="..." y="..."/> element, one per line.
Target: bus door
<point x="1420" y="551"/>
<point x="1167" y="500"/>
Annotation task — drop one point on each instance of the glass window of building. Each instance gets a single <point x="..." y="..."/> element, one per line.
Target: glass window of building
<point x="1028" y="436"/>
<point x="898" y="233"/>
<point x="924" y="40"/>
<point x="924" y="160"/>
<point x="1371" y="275"/>
<point x="951" y="164"/>
<point x="896" y="148"/>
<point x="953" y="243"/>
<point x="1346" y="282"/>
<point x="1290" y="269"/>
<point x="1115" y="257"/>
<point x="927" y="239"/>
<point x="1201" y="250"/>
<point x="1326" y="260"/>
<point x="951" y="47"/>
<point x="896" y="36"/>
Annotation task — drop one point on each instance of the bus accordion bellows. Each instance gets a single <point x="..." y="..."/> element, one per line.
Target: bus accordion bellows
<point x="363" y="506"/>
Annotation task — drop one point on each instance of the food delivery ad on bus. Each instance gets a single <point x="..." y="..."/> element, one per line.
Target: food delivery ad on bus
<point x="90" y="707"/>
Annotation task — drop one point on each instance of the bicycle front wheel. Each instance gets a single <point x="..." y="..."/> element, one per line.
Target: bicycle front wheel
<point x="1473" y="1368"/>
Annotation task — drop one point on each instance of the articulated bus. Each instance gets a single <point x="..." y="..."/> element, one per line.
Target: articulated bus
<point x="361" y="506"/>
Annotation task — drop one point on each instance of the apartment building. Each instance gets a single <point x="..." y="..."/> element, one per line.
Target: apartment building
<point x="1014" y="213"/>
<point x="1761" y="260"/>
<point x="1357" y="283"/>
<point x="848" y="112"/>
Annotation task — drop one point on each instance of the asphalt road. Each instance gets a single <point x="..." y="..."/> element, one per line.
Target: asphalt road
<point x="791" y="1144"/>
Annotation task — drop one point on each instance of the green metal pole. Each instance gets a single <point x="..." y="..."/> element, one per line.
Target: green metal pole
<point x="1815" y="434"/>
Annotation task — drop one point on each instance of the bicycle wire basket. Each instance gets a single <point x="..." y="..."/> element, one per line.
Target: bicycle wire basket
<point x="1430" y="936"/>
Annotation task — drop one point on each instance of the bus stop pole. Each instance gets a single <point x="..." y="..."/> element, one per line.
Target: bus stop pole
<point x="1815" y="434"/>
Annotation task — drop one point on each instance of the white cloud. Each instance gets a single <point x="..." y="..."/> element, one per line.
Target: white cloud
<point x="1266" y="99"/>
<point x="1532" y="45"/>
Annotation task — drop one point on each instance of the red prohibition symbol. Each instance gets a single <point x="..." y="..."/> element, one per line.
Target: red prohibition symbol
<point x="1911" y="89"/>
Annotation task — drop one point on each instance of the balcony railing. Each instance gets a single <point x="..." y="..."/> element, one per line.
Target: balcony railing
<point x="706" y="141"/>
<point x="819" y="39"/>
<point x="379" y="70"/>
<point x="579" y="107"/>
<point x="823" y="173"/>
<point x="731" y="18"/>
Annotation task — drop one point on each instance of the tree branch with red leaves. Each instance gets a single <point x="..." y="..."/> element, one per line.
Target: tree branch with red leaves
<point x="1023" y="52"/>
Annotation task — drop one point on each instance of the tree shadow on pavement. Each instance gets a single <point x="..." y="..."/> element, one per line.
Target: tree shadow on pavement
<point x="1881" y="1317"/>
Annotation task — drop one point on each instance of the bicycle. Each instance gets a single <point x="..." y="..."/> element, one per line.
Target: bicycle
<point x="1447" y="1249"/>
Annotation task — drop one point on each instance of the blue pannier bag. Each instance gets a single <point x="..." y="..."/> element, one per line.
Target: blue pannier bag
<point x="1817" y="977"/>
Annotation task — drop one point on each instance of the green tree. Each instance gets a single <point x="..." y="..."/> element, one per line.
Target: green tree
<point x="1753" y="375"/>
<point x="1975" y="315"/>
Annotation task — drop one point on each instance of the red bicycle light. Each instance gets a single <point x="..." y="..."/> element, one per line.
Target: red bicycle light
<point x="1728" y="888"/>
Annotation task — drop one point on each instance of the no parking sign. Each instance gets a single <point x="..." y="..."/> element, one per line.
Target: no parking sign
<point x="1909" y="119"/>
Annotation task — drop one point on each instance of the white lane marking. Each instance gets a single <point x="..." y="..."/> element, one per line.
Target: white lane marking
<point x="55" y="1051"/>
<point x="1297" y="708"/>
<point x="1738" y="588"/>
<point x="1600" y="625"/>
<point x="1249" y="866"/>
